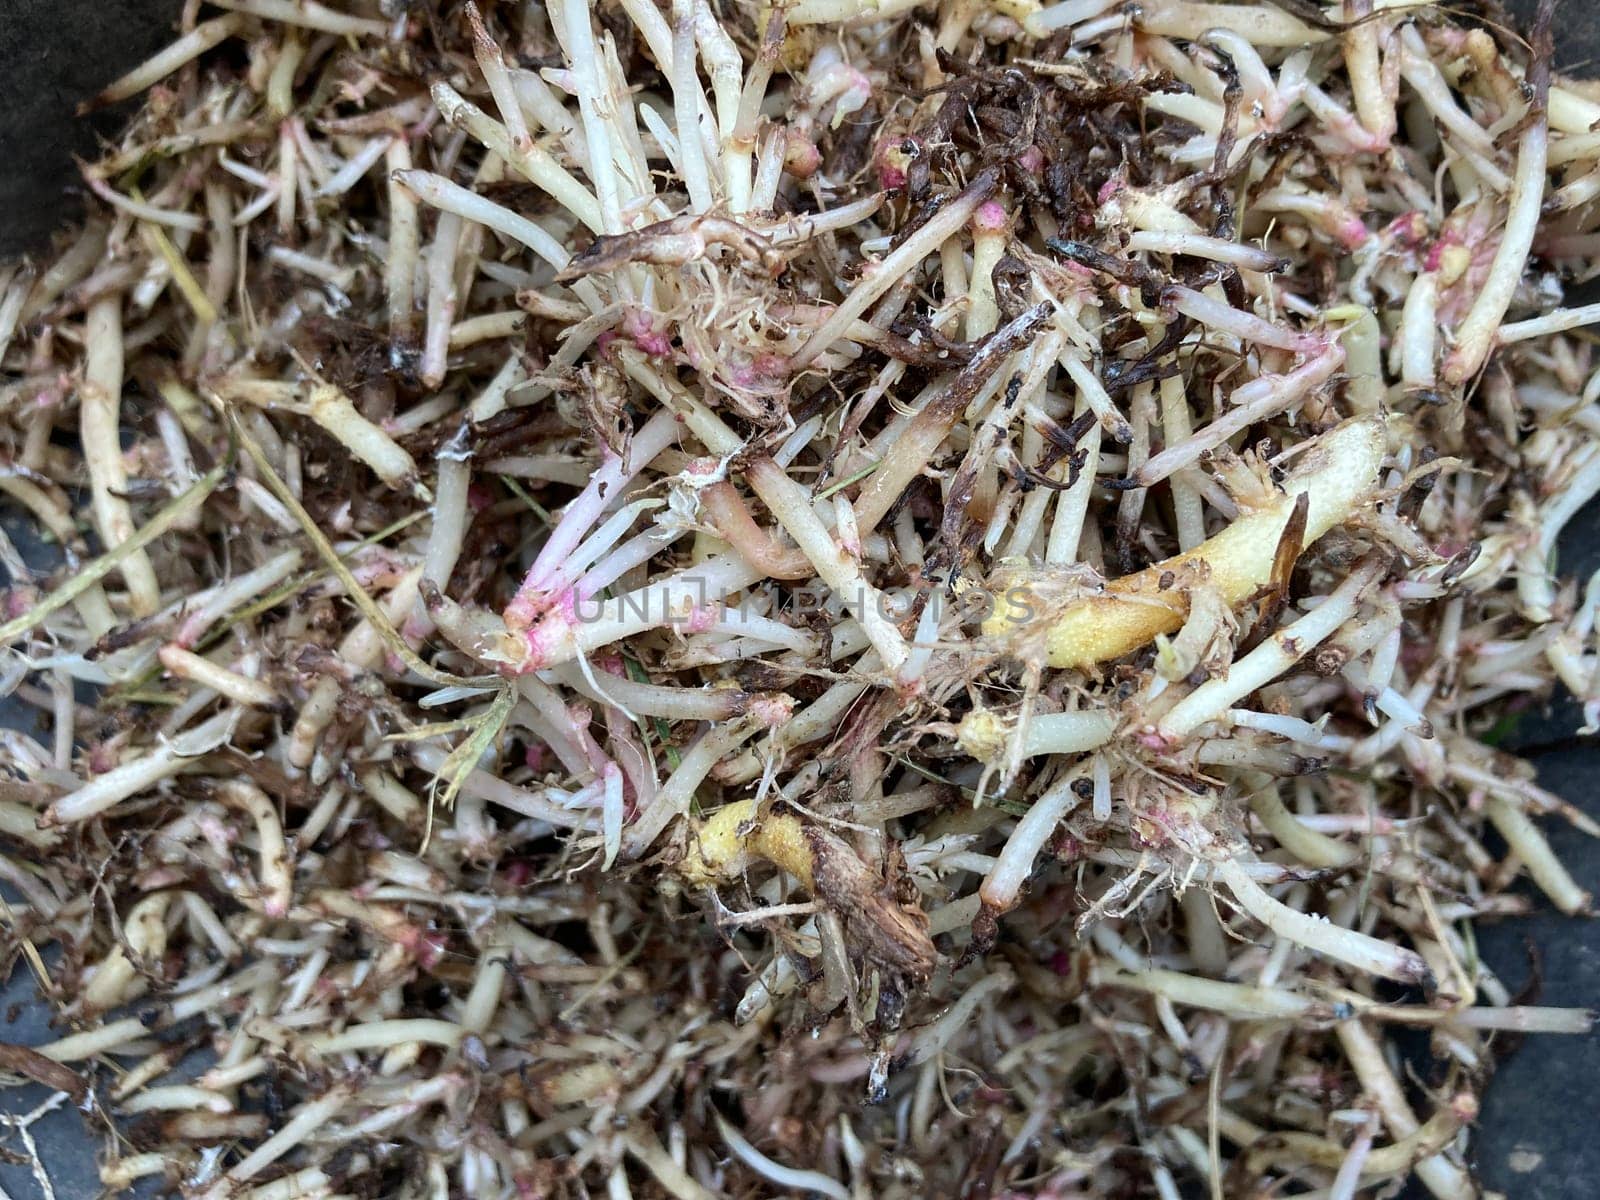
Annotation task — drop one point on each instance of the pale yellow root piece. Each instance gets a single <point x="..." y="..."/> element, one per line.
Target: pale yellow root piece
<point x="825" y="865"/>
<point x="721" y="851"/>
<point x="117" y="979"/>
<point x="1337" y="473"/>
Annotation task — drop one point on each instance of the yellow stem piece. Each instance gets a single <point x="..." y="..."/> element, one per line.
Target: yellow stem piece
<point x="887" y="932"/>
<point x="721" y="851"/>
<point x="1337" y="473"/>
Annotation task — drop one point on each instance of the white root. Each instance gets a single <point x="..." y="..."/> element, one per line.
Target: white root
<point x="1273" y="657"/>
<point x="204" y="36"/>
<point x="884" y="275"/>
<point x="1476" y="334"/>
<point x="1011" y="870"/>
<point x="277" y="871"/>
<point x="241" y="689"/>
<point x="1343" y="945"/>
<point x="1442" y="1175"/>
<point x="100" y="413"/>
<point x="120" y="783"/>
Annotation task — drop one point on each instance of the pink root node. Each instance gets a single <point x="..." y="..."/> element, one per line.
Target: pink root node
<point x="893" y="160"/>
<point x="530" y="605"/>
<point x="1353" y="232"/>
<point x="426" y="947"/>
<point x="699" y="620"/>
<point x="990" y="217"/>
<point x="703" y="468"/>
<point x="801" y="158"/>
<point x="542" y="643"/>
<point x="1436" y="251"/>
<point x="643" y="333"/>
<point x="517" y="873"/>
<point x="1153" y="739"/>
<point x="18" y="601"/>
<point x="1408" y="229"/>
<point x="771" y="711"/>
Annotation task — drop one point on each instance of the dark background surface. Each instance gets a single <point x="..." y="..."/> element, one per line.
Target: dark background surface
<point x="53" y="54"/>
<point x="1538" y="1138"/>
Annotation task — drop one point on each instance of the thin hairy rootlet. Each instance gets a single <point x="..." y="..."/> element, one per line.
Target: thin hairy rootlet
<point x="863" y="599"/>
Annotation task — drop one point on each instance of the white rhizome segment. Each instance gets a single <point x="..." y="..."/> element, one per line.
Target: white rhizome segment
<point x="636" y="572"/>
